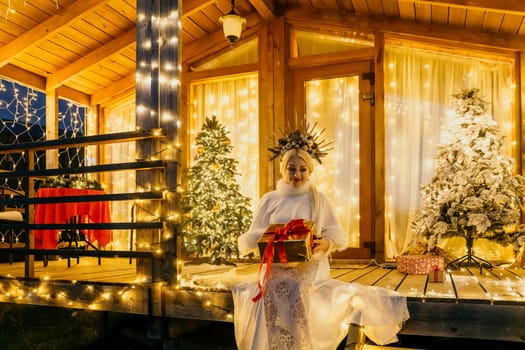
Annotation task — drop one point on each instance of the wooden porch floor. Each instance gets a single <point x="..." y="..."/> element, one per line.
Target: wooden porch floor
<point x="115" y="270"/>
<point x="487" y="304"/>
<point x="471" y="303"/>
<point x="497" y="286"/>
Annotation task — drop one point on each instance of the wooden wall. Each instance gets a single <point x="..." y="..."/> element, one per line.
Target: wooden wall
<point x="275" y="67"/>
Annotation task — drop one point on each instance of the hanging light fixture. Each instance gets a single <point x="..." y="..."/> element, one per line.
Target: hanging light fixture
<point x="232" y="25"/>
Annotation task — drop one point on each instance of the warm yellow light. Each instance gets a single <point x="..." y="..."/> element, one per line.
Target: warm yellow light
<point x="232" y="26"/>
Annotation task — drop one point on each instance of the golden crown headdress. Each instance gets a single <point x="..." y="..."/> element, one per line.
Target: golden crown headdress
<point x="310" y="142"/>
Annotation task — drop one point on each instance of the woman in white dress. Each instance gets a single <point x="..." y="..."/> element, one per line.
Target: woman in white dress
<point x="302" y="307"/>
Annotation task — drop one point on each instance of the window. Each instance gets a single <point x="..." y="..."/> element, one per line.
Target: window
<point x="241" y="54"/>
<point x="419" y="84"/>
<point x="120" y="119"/>
<point x="234" y="101"/>
<point x="308" y="43"/>
<point x="332" y="105"/>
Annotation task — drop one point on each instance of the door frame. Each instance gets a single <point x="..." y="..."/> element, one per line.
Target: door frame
<point x="366" y="249"/>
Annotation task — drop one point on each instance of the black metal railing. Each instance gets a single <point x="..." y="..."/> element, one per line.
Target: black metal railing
<point x="28" y="200"/>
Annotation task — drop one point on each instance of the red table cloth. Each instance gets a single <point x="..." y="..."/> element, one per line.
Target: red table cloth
<point x="60" y="213"/>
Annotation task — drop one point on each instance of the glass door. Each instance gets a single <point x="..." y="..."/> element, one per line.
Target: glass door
<point x="338" y="100"/>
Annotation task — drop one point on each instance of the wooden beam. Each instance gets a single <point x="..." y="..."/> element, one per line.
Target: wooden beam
<point x="336" y="20"/>
<point x="215" y="41"/>
<point x="23" y="76"/>
<point x="118" y="100"/>
<point x="73" y="95"/>
<point x="94" y="57"/>
<point x="506" y="7"/>
<point x="367" y="53"/>
<point x="47" y="28"/>
<point x="190" y="7"/>
<point x="117" y="87"/>
<point x="265" y="8"/>
<point x="221" y="72"/>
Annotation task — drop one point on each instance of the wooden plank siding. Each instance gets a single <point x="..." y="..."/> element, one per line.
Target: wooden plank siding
<point x="82" y="45"/>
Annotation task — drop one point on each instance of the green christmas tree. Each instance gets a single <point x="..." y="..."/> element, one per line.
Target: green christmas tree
<point x="215" y="211"/>
<point x="473" y="192"/>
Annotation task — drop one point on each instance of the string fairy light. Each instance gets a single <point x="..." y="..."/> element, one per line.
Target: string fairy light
<point x="343" y="113"/>
<point x="73" y="294"/>
<point x="10" y="9"/>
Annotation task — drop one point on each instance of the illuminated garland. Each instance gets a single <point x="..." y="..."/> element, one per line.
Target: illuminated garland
<point x="81" y="182"/>
<point x="10" y="9"/>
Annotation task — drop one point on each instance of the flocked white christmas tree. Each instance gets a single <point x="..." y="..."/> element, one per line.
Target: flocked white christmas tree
<point x="473" y="192"/>
<point x="215" y="211"/>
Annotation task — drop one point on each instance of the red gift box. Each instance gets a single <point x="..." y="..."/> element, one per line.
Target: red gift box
<point x="419" y="264"/>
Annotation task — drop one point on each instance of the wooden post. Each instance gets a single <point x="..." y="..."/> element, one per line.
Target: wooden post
<point x="29" y="267"/>
<point x="51" y="127"/>
<point x="378" y="191"/>
<point x="283" y="110"/>
<point x="157" y="101"/>
<point x="266" y="103"/>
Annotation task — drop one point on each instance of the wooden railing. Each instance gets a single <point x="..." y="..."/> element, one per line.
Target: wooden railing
<point x="29" y="200"/>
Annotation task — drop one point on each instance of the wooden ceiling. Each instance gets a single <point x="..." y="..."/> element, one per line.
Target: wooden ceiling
<point x="86" y="48"/>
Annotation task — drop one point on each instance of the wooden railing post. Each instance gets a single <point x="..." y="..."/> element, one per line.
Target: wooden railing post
<point x="29" y="268"/>
<point x="157" y="57"/>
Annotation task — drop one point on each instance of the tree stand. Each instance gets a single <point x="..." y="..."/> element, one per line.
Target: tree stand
<point x="470" y="260"/>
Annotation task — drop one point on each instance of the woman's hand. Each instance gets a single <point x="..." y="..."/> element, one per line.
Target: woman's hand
<point x="321" y="245"/>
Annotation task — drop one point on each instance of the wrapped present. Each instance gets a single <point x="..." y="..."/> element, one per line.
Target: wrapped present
<point x="291" y="242"/>
<point x="436" y="275"/>
<point x="283" y="243"/>
<point x="419" y="264"/>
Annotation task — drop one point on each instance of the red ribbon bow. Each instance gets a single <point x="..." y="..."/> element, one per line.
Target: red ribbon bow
<point x="436" y="272"/>
<point x="280" y="235"/>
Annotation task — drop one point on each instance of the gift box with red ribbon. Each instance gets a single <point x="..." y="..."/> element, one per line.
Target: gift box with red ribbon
<point x="419" y="264"/>
<point x="436" y="275"/>
<point x="283" y="243"/>
<point x="291" y="242"/>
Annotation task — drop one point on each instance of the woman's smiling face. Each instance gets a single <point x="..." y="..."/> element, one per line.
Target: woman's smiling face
<point x="297" y="172"/>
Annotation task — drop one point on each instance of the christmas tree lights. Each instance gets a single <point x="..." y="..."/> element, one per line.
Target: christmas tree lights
<point x="473" y="193"/>
<point x="215" y="211"/>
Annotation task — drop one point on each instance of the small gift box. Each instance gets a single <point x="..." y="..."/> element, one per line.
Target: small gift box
<point x="419" y="264"/>
<point x="291" y="242"/>
<point x="436" y="275"/>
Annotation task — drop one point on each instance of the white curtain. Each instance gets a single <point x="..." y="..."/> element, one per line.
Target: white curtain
<point x="332" y="105"/>
<point x="234" y="101"/>
<point x="120" y="119"/>
<point x="419" y="85"/>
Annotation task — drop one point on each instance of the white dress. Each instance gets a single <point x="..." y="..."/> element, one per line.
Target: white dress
<point x="303" y="307"/>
